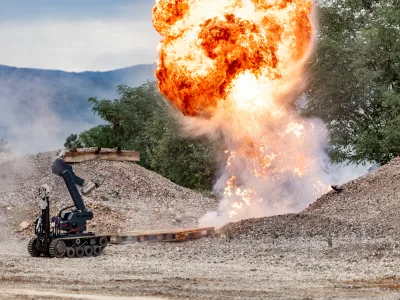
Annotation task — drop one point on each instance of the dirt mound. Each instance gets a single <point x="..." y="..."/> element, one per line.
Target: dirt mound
<point x="367" y="206"/>
<point x="370" y="203"/>
<point x="132" y="198"/>
<point x="291" y="225"/>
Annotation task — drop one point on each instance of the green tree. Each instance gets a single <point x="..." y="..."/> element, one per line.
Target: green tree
<point x="73" y="142"/>
<point x="354" y="86"/>
<point x="141" y="120"/>
<point x="99" y="136"/>
<point x="191" y="162"/>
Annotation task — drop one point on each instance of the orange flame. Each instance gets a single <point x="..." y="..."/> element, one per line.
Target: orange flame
<point x="212" y="48"/>
<point x="236" y="64"/>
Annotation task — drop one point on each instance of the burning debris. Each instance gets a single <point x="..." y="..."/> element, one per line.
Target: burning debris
<point x="234" y="69"/>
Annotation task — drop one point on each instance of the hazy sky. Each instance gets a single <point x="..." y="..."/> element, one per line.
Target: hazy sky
<point x="77" y="35"/>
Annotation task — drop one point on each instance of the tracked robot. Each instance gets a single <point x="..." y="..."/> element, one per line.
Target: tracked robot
<point x="65" y="235"/>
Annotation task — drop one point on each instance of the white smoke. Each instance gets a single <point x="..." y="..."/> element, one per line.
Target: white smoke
<point x="298" y="175"/>
<point x="342" y="173"/>
<point x="278" y="188"/>
<point x="282" y="193"/>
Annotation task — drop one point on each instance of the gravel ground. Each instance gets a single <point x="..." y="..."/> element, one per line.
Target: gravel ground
<point x="344" y="246"/>
<point x="215" y="268"/>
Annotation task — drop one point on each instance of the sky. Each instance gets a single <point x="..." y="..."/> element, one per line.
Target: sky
<point x="77" y="35"/>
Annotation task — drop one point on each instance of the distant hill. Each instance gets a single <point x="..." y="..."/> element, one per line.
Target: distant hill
<point x="39" y="108"/>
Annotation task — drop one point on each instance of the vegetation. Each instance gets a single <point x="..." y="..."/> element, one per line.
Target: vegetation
<point x="140" y="120"/>
<point x="73" y="142"/>
<point x="355" y="79"/>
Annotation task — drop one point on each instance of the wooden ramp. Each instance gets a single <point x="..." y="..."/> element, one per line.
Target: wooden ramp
<point x="87" y="154"/>
<point x="172" y="235"/>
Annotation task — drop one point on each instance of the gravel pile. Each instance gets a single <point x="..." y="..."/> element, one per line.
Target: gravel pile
<point x="287" y="226"/>
<point x="368" y="206"/>
<point x="371" y="204"/>
<point x="131" y="198"/>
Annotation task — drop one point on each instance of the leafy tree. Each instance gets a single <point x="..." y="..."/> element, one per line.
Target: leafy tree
<point x="72" y="142"/>
<point x="354" y="86"/>
<point x="101" y="135"/>
<point x="188" y="161"/>
<point x="141" y="120"/>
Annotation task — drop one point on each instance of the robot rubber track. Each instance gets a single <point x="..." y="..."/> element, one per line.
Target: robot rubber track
<point x="70" y="246"/>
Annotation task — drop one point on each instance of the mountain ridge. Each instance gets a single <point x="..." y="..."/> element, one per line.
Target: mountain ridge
<point x="7" y="67"/>
<point x="53" y="103"/>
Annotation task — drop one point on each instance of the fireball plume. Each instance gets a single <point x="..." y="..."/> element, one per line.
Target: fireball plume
<point x="234" y="68"/>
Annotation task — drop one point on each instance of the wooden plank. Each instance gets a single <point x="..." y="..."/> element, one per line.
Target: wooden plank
<point x="78" y="157"/>
<point x="173" y="235"/>
<point x="166" y="231"/>
<point x="210" y="232"/>
<point x="195" y="235"/>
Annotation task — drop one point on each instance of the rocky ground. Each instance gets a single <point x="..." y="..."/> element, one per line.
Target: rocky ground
<point x="344" y="246"/>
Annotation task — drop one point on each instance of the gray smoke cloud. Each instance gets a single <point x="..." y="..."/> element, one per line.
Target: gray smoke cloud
<point x="31" y="121"/>
<point x="40" y="108"/>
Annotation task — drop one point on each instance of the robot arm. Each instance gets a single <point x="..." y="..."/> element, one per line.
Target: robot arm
<point x="64" y="170"/>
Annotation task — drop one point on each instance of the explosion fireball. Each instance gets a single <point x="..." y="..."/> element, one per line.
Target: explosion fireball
<point x="234" y="68"/>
